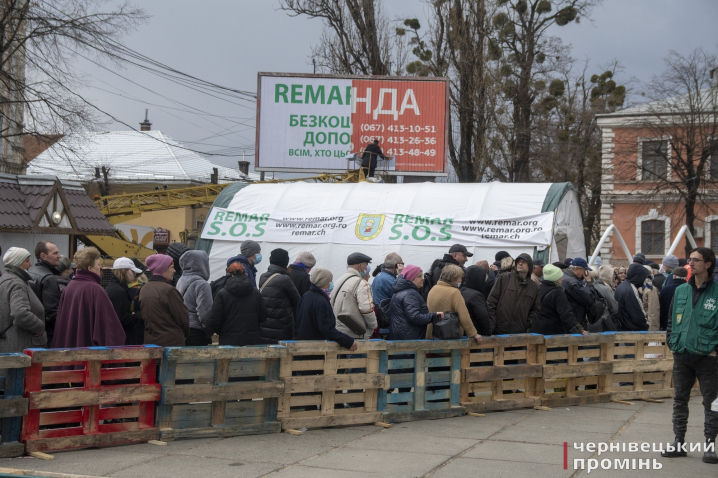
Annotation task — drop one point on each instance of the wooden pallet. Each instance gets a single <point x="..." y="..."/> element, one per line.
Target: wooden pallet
<point x="13" y="406"/>
<point x="326" y="385"/>
<point x="424" y="379"/>
<point x="90" y="397"/>
<point x="568" y="379"/>
<point x="640" y="377"/>
<point x="503" y="372"/>
<point x="219" y="391"/>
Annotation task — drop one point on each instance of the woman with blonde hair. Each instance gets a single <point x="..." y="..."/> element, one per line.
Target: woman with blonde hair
<point x="445" y="297"/>
<point x="118" y="290"/>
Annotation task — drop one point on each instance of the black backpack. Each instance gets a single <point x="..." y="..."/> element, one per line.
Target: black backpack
<point x="429" y="278"/>
<point x="597" y="309"/>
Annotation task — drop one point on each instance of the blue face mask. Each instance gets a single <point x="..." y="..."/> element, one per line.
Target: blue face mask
<point x="364" y="274"/>
<point x="331" y="286"/>
<point x="258" y="258"/>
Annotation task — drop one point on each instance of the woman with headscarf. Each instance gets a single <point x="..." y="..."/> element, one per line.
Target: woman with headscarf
<point x="557" y="316"/>
<point x="22" y="316"/>
<point x="408" y="312"/>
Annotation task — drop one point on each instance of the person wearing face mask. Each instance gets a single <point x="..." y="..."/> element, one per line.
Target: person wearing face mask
<point x="514" y="303"/>
<point x="315" y="316"/>
<point x="250" y="254"/>
<point x="353" y="286"/>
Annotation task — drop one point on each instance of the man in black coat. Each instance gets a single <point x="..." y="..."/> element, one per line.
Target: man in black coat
<point x="44" y="274"/>
<point x="666" y="296"/>
<point x="458" y="255"/>
<point x="280" y="297"/>
<point x="372" y="151"/>
<point x="630" y="304"/>
<point x="471" y="290"/>
<point x="299" y="271"/>
<point x="579" y="290"/>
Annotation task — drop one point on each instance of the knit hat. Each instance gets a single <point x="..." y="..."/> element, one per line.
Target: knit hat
<point x="158" y="263"/>
<point x="500" y="255"/>
<point x="65" y="263"/>
<point x="410" y="272"/>
<point x="639" y="259"/>
<point x="175" y="251"/>
<point x="552" y="273"/>
<point x="320" y="277"/>
<point x="670" y="262"/>
<point x="307" y="259"/>
<point x="15" y="256"/>
<point x="655" y="266"/>
<point x="279" y="257"/>
<point x="568" y="261"/>
<point x="680" y="272"/>
<point x="250" y="248"/>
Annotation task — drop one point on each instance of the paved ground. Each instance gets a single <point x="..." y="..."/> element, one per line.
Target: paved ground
<point x="523" y="443"/>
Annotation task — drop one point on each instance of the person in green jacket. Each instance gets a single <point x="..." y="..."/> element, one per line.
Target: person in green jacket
<point x="692" y="335"/>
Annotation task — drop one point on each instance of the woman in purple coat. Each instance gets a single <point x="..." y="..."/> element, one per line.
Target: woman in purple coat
<point x="85" y="316"/>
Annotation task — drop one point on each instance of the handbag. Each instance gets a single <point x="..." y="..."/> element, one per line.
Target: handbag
<point x="447" y="327"/>
<point x="349" y="313"/>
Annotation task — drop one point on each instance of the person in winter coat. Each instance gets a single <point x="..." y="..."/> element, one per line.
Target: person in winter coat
<point x="537" y="272"/>
<point x="651" y="302"/>
<point x="118" y="290"/>
<point x="238" y="311"/>
<point x="280" y="297"/>
<point x="163" y="311"/>
<point x="384" y="277"/>
<point x="514" y="303"/>
<point x="197" y="295"/>
<point x="579" y="290"/>
<point x="85" y="316"/>
<point x="299" y="271"/>
<point x="630" y="304"/>
<point x="490" y="278"/>
<point x="352" y="286"/>
<point x="176" y="250"/>
<point x="556" y="313"/>
<point x="250" y="254"/>
<point x="408" y="312"/>
<point x="458" y="255"/>
<point x="471" y="288"/>
<point x="315" y="315"/>
<point x="446" y="297"/>
<point x="22" y="316"/>
<point x="134" y="288"/>
<point x="603" y="288"/>
<point x="665" y="297"/>
<point x="44" y="275"/>
<point x="668" y="263"/>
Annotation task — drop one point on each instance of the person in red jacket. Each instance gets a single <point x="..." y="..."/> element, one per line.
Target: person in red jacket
<point x="85" y="316"/>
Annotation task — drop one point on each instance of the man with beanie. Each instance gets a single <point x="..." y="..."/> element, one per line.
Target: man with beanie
<point x="500" y="256"/>
<point x="176" y="250"/>
<point x="161" y="305"/>
<point x="669" y="263"/>
<point x="299" y="271"/>
<point x="44" y="276"/>
<point x="692" y="336"/>
<point x="353" y="286"/>
<point x="678" y="277"/>
<point x="250" y="254"/>
<point x="639" y="259"/>
<point x="280" y="297"/>
<point x="514" y="303"/>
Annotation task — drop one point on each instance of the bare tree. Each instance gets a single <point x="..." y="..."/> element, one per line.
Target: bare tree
<point x="39" y="43"/>
<point x="672" y="154"/>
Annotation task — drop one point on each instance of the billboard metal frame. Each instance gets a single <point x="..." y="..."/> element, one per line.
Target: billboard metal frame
<point x="447" y="118"/>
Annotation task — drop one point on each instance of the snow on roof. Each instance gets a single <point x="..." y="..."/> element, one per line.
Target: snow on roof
<point x="131" y="156"/>
<point x="703" y="101"/>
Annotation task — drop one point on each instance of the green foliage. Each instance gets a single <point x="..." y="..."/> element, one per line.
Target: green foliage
<point x="500" y="20"/>
<point x="509" y="88"/>
<point x="566" y="16"/>
<point x="401" y="32"/>
<point x="412" y="23"/>
<point x="508" y="31"/>
<point x="540" y="85"/>
<point x="606" y="93"/>
<point x="506" y="70"/>
<point x="556" y="88"/>
<point x="521" y="7"/>
<point x="540" y="58"/>
<point x="564" y="135"/>
<point x="417" y="68"/>
<point x="544" y="6"/>
<point x="494" y="50"/>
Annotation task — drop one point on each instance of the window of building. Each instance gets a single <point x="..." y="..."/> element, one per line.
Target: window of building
<point x="654" y="158"/>
<point x="653" y="237"/>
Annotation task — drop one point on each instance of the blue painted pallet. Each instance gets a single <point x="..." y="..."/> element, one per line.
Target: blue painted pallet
<point x="12" y="404"/>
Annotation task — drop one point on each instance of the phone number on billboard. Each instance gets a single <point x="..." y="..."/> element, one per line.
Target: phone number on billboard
<point x="399" y="140"/>
<point x="397" y="128"/>
<point x="410" y="152"/>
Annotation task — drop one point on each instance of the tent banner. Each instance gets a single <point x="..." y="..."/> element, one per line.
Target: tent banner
<point x="352" y="227"/>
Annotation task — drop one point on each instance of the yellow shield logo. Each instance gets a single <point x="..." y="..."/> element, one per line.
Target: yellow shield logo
<point x="369" y="226"/>
<point x="679" y="317"/>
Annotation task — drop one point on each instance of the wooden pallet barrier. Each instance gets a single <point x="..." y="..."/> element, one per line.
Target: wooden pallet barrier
<point x="220" y="391"/>
<point x="90" y="397"/>
<point x="13" y="406"/>
<point x="578" y="369"/>
<point x="503" y="372"/>
<point x="326" y="385"/>
<point x="424" y="379"/>
<point x="642" y="366"/>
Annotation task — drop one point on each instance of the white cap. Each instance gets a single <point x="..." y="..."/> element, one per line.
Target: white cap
<point x="125" y="263"/>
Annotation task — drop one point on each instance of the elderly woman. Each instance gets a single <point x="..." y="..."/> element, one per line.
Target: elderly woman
<point x="22" y="316"/>
<point x="315" y="316"/>
<point x="163" y="311"/>
<point x="556" y="313"/>
<point x="446" y="297"/>
<point x="408" y="312"/>
<point x="85" y="316"/>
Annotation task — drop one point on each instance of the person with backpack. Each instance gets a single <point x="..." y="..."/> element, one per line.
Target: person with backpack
<point x="445" y="297"/>
<point x="471" y="291"/>
<point x="556" y="316"/>
<point x="44" y="275"/>
<point x="281" y="298"/>
<point x="580" y="292"/>
<point x="514" y="303"/>
<point x="352" y="301"/>
<point x="408" y="312"/>
<point x="458" y="255"/>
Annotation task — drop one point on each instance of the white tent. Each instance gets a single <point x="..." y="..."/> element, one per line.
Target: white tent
<point x="486" y="200"/>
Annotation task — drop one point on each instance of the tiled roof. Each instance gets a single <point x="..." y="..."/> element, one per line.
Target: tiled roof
<point x="13" y="211"/>
<point x="87" y="217"/>
<point x="131" y="156"/>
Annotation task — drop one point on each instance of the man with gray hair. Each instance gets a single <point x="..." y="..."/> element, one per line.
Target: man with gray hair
<point x="384" y="277"/>
<point x="299" y="271"/>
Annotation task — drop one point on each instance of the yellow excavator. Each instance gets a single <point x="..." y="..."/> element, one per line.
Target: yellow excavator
<point x="123" y="207"/>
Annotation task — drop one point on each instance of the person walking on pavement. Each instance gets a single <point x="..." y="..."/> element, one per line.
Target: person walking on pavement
<point x="692" y="336"/>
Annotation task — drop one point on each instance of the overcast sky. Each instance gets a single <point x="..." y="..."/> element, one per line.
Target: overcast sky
<point x="228" y="42"/>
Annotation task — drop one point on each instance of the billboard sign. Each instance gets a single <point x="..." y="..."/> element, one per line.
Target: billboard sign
<point x="314" y="123"/>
